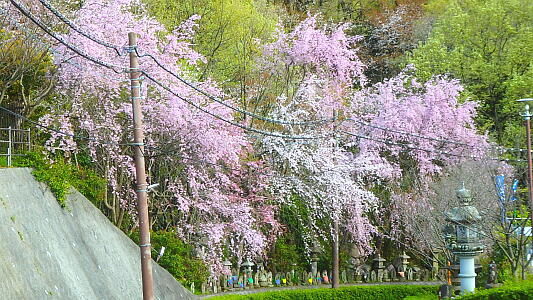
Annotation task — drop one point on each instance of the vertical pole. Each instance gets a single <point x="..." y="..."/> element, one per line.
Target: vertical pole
<point x="529" y="163"/>
<point x="142" y="192"/>
<point x="335" y="250"/>
<point x="9" y="147"/>
<point x="335" y="256"/>
<point x="449" y="273"/>
<point x="29" y="140"/>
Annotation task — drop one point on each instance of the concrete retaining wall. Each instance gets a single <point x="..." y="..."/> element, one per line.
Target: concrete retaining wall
<point x="47" y="252"/>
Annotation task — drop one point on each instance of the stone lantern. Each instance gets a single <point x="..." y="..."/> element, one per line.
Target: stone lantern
<point x="463" y="240"/>
<point x="315" y="251"/>
<point x="248" y="266"/>
<point x="378" y="265"/>
<point x="228" y="285"/>
<point x="404" y="260"/>
<point x="404" y="263"/>
<point x="248" y="280"/>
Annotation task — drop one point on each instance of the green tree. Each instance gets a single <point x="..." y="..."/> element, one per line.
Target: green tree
<point x="228" y="34"/>
<point x="487" y="44"/>
<point x="26" y="72"/>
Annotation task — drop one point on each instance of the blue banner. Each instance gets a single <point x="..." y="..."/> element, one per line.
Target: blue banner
<point x="499" y="180"/>
<point x="514" y="187"/>
<point x="500" y="187"/>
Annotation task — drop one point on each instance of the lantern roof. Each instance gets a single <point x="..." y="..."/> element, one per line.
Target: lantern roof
<point x="248" y="263"/>
<point x="227" y="263"/>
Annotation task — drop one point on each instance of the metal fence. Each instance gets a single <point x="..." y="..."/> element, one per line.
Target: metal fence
<point x="14" y="142"/>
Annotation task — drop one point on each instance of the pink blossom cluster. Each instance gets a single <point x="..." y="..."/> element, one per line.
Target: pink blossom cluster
<point x="196" y="188"/>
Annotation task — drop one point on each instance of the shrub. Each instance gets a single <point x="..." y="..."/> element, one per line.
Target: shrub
<point x="60" y="176"/>
<point x="370" y="292"/>
<point x="514" y="291"/>
<point x="178" y="259"/>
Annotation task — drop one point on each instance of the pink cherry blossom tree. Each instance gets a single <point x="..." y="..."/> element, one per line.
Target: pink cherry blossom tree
<point x="318" y="71"/>
<point x="204" y="192"/>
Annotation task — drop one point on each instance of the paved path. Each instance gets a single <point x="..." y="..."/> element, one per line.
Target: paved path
<point x="303" y="287"/>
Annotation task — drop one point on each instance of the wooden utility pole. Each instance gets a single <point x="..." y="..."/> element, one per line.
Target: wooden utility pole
<point x="335" y="243"/>
<point x="142" y="186"/>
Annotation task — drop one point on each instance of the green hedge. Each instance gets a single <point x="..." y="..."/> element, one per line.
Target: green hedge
<point x="370" y="292"/>
<point x="515" y="291"/>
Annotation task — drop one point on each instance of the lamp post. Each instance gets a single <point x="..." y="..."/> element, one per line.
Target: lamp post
<point x="464" y="240"/>
<point x="527" y="122"/>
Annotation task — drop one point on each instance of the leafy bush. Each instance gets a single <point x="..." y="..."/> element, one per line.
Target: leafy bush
<point x="56" y="175"/>
<point x="514" y="291"/>
<point x="374" y="292"/>
<point x="422" y="297"/>
<point x="178" y="259"/>
<point x="60" y="176"/>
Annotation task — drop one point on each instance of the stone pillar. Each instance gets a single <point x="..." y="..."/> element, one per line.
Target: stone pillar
<point x="434" y="269"/>
<point x="467" y="273"/>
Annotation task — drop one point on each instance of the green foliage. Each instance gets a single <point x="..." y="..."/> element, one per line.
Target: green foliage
<point x="516" y="291"/>
<point x="487" y="45"/>
<point x="56" y="175"/>
<point x="60" y="176"/>
<point x="178" y="258"/>
<point x="286" y="253"/>
<point x="26" y="72"/>
<point x="226" y="35"/>
<point x="422" y="297"/>
<point x="375" y="292"/>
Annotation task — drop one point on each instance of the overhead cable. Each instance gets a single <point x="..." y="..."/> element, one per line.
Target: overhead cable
<point x="408" y="146"/>
<point x="408" y="133"/>
<point x="73" y="48"/>
<point x="48" y="128"/>
<point x="234" y="108"/>
<point x="244" y="127"/>
<point x="48" y="46"/>
<point x="76" y="28"/>
<point x="162" y="66"/>
<point x="119" y="51"/>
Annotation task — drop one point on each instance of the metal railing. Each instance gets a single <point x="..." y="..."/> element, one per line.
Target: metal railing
<point x="14" y="142"/>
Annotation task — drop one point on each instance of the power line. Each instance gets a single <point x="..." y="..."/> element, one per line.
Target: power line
<point x="48" y="46"/>
<point x="79" y="30"/>
<point x="162" y="66"/>
<point x="244" y="127"/>
<point x="407" y="133"/>
<point x="118" y="49"/>
<point x="79" y="137"/>
<point x="234" y="108"/>
<point x="165" y="153"/>
<point x="74" y="136"/>
<point x="503" y="149"/>
<point x="73" y="48"/>
<point x="407" y="146"/>
<point x="99" y="62"/>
